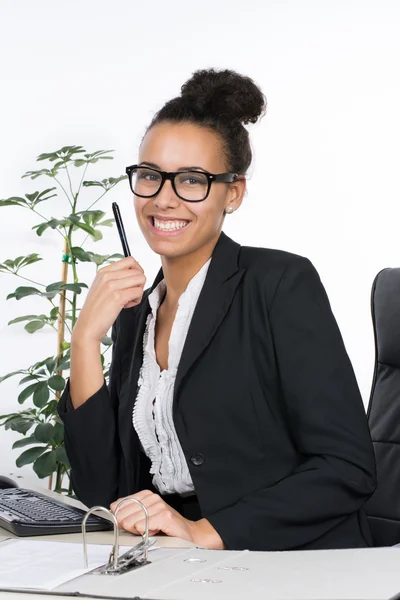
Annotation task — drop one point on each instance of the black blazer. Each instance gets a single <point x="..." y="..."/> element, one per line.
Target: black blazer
<point x="266" y="408"/>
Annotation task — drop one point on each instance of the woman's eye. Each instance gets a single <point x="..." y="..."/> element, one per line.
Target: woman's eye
<point x="148" y="176"/>
<point x="191" y="180"/>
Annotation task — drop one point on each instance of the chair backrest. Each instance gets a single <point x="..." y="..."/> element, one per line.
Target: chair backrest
<point x="383" y="509"/>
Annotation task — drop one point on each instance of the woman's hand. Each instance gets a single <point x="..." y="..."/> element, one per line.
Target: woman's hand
<point x="116" y="286"/>
<point x="165" y="519"/>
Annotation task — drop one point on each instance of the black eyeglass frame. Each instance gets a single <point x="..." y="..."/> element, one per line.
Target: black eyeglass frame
<point x="170" y="175"/>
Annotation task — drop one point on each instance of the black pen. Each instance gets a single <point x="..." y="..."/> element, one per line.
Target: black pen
<point x="121" y="229"/>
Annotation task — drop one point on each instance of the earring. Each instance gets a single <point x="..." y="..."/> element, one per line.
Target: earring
<point x="229" y="210"/>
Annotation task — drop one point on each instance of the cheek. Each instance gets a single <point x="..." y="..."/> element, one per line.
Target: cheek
<point x="211" y="209"/>
<point x="139" y="205"/>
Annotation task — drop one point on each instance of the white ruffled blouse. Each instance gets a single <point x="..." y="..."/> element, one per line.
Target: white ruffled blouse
<point x="152" y="412"/>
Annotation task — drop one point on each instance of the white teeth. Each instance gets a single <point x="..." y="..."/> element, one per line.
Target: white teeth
<point x="169" y="225"/>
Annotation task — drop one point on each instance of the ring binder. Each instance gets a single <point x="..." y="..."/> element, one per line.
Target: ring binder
<point x="137" y="556"/>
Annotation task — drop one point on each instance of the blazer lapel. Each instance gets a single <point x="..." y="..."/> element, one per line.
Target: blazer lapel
<point x="136" y="358"/>
<point x="222" y="279"/>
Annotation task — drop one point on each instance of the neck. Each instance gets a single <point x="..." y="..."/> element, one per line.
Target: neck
<point x="179" y="270"/>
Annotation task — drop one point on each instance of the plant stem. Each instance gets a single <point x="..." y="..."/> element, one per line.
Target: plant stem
<point x="64" y="190"/>
<point x="80" y="184"/>
<point x="70" y="184"/>
<point x="31" y="280"/>
<point x="59" y="474"/>
<point x="47" y="220"/>
<point x="100" y="197"/>
<point x="60" y="315"/>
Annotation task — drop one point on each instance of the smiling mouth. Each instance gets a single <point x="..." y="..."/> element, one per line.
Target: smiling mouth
<point x="169" y="225"/>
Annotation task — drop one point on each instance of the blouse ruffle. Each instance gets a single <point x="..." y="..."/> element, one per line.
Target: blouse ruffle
<point x="152" y="412"/>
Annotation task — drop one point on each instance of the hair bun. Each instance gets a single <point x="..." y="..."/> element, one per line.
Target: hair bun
<point x="224" y="95"/>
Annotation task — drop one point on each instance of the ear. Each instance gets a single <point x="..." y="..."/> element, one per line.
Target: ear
<point x="236" y="192"/>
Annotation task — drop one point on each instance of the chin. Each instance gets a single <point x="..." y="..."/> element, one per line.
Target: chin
<point x="168" y="250"/>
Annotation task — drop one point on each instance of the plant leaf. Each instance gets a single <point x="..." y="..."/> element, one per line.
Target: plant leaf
<point x="55" y="287"/>
<point x="86" y="228"/>
<point x="80" y="254"/>
<point x="62" y="457"/>
<point x="23" y="291"/>
<point x="28" y="378"/>
<point x="56" y="383"/>
<point x="106" y="223"/>
<point x="64" y="365"/>
<point x="27" y="441"/>
<point x="29" y="456"/>
<point x="28" y="391"/>
<point x="34" y="326"/>
<point x="20" y="425"/>
<point x="4" y="377"/>
<point x="44" y="432"/>
<point x="50" y="410"/>
<point x="58" y="435"/>
<point x="51" y="365"/>
<point x="41" y="394"/>
<point x="24" y="318"/>
<point x="14" y="201"/>
<point x="46" y="464"/>
<point x="97" y="235"/>
<point x="74" y="287"/>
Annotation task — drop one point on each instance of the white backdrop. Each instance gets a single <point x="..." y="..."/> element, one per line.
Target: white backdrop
<point x="324" y="182"/>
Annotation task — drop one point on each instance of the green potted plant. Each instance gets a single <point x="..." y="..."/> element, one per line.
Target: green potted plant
<point x="43" y="382"/>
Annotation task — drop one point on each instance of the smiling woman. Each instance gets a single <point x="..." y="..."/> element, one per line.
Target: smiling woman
<point x="232" y="410"/>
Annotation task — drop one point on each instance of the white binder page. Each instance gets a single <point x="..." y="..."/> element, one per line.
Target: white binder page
<point x="46" y="565"/>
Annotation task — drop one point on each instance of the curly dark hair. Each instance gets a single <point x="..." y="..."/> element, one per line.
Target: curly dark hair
<point x="222" y="101"/>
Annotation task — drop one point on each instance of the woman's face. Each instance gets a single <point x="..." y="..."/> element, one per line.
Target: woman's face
<point x="192" y="225"/>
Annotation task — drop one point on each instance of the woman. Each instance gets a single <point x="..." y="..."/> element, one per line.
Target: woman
<point x="232" y="410"/>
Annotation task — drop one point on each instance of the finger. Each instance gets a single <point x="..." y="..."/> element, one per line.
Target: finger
<point x="163" y="520"/>
<point x="120" y="274"/>
<point x="124" y="263"/>
<point x="134" y="512"/>
<point x="142" y="495"/>
<point x="117" y="279"/>
<point x="127" y="280"/>
<point x="129" y="521"/>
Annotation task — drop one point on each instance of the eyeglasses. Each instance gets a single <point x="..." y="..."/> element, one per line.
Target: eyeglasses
<point x="192" y="186"/>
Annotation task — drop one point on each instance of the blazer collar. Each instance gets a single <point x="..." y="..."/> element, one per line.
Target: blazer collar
<point x="222" y="279"/>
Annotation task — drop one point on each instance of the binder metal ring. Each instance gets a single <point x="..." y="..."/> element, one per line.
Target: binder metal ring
<point x="135" y="556"/>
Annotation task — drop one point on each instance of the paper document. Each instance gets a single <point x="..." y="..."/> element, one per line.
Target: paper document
<point x="46" y="565"/>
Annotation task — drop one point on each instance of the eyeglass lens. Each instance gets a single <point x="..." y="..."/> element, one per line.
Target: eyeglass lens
<point x="191" y="185"/>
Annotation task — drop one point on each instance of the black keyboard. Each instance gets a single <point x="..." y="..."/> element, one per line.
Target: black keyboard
<point x="26" y="512"/>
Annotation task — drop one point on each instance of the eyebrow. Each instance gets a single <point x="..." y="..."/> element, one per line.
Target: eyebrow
<point x="154" y="166"/>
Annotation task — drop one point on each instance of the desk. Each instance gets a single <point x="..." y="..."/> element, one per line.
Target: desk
<point x="359" y="574"/>
<point x="93" y="537"/>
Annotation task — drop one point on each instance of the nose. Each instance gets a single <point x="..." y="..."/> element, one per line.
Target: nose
<point x="166" y="197"/>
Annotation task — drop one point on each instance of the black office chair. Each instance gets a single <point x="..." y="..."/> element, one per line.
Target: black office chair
<point x="383" y="509"/>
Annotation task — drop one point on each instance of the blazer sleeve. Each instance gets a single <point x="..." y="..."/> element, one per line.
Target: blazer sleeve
<point x="327" y="421"/>
<point x="90" y="438"/>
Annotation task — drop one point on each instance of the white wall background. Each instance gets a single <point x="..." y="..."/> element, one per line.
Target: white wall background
<point x="325" y="177"/>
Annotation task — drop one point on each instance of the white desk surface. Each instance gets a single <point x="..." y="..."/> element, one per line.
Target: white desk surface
<point x="93" y="537"/>
<point x="359" y="574"/>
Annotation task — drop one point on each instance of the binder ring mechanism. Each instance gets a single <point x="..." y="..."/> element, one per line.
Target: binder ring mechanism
<point x="137" y="556"/>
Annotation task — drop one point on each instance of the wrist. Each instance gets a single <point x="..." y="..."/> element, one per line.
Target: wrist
<point x="203" y="534"/>
<point x="80" y="340"/>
